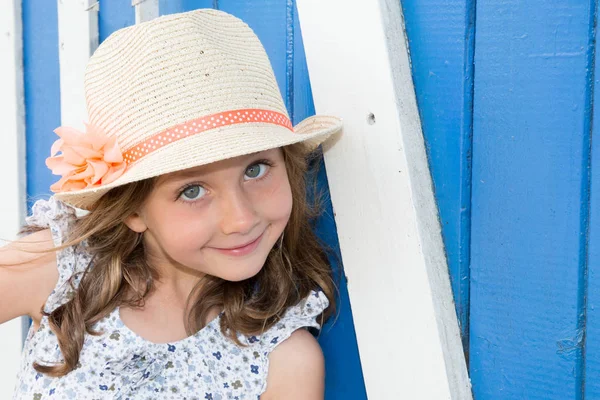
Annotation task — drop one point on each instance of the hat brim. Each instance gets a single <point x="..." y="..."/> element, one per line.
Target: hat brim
<point x="208" y="147"/>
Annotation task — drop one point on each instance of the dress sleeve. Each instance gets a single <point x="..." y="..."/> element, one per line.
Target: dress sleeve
<point x="71" y="261"/>
<point x="302" y="315"/>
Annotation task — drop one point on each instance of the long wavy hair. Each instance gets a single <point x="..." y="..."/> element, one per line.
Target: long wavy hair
<point x="120" y="275"/>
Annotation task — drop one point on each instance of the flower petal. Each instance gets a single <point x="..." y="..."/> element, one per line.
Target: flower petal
<point x="112" y="152"/>
<point x="69" y="135"/>
<point x="70" y="185"/>
<point x="59" y="166"/>
<point x="72" y="157"/>
<point x="114" y="173"/>
<point x="56" y="147"/>
<point x="83" y="173"/>
<point x="58" y="186"/>
<point x="67" y="183"/>
<point x="100" y="169"/>
<point x="95" y="138"/>
<point x="86" y="152"/>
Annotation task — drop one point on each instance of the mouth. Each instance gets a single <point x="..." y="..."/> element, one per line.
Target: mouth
<point x="243" y="249"/>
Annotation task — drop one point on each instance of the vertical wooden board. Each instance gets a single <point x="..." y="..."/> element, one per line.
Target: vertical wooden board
<point x="42" y="91"/>
<point x="344" y="378"/>
<point x="12" y="115"/>
<point x="529" y="159"/>
<point x="114" y="15"/>
<point x="381" y="190"/>
<point x="268" y="20"/>
<point x="592" y="309"/>
<point x="12" y="141"/>
<point x="77" y="40"/>
<point x="440" y="37"/>
<point x="145" y="10"/>
<point x="177" y="6"/>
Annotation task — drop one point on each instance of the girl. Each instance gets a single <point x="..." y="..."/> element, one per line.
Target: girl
<point x="195" y="268"/>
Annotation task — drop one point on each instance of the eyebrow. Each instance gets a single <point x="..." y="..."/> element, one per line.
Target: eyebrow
<point x="179" y="176"/>
<point x="197" y="171"/>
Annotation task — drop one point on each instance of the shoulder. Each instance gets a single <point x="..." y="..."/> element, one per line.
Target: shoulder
<point x="28" y="274"/>
<point x="293" y="359"/>
<point x="296" y="369"/>
<point x="71" y="261"/>
<point x="33" y="273"/>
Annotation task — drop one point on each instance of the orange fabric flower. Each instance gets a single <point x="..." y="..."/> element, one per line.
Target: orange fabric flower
<point x="88" y="159"/>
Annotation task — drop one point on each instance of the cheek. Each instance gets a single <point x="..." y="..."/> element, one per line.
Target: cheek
<point x="179" y="229"/>
<point x="276" y="203"/>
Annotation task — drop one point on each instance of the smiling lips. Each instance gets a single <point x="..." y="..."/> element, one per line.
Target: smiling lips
<point x="242" y="250"/>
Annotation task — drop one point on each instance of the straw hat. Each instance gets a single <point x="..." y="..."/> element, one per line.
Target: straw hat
<point x="179" y="91"/>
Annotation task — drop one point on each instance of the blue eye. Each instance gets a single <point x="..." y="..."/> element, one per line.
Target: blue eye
<point x="256" y="171"/>
<point x="192" y="192"/>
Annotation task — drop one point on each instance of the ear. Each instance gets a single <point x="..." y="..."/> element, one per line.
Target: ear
<point x="136" y="223"/>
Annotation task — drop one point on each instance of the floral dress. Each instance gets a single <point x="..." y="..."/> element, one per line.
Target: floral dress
<point x="119" y="364"/>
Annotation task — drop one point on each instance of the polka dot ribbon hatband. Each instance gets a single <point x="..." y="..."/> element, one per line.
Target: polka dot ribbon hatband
<point x="202" y="124"/>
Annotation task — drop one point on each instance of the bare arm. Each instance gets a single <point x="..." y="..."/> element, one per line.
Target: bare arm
<point x="26" y="279"/>
<point x="296" y="369"/>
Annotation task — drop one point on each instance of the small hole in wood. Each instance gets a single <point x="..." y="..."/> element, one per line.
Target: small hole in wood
<point x="371" y="119"/>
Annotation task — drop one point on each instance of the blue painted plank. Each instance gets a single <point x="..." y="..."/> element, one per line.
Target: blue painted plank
<point x="42" y="91"/>
<point x="441" y="42"/>
<point x="113" y="16"/>
<point x="592" y="309"/>
<point x="268" y="19"/>
<point x="176" y="6"/>
<point x="530" y="139"/>
<point x="344" y="378"/>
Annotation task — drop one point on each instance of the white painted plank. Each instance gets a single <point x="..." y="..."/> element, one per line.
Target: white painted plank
<point x="382" y="195"/>
<point x="12" y="165"/>
<point x="145" y="10"/>
<point x="78" y="38"/>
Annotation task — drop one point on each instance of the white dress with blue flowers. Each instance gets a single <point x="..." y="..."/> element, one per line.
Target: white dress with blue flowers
<point x="119" y="364"/>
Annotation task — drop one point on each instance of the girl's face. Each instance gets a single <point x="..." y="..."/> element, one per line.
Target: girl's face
<point x="220" y="219"/>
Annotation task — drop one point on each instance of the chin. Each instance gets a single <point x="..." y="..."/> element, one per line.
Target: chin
<point x="237" y="270"/>
<point x="238" y="275"/>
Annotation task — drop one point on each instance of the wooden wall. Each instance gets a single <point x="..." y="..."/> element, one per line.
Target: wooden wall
<point x="506" y="95"/>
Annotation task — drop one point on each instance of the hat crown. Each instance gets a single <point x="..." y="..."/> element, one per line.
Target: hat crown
<point x="149" y="77"/>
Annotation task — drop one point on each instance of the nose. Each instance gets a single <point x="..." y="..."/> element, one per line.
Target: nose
<point x="238" y="214"/>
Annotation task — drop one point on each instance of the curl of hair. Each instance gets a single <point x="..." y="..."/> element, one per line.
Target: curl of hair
<point x="119" y="274"/>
